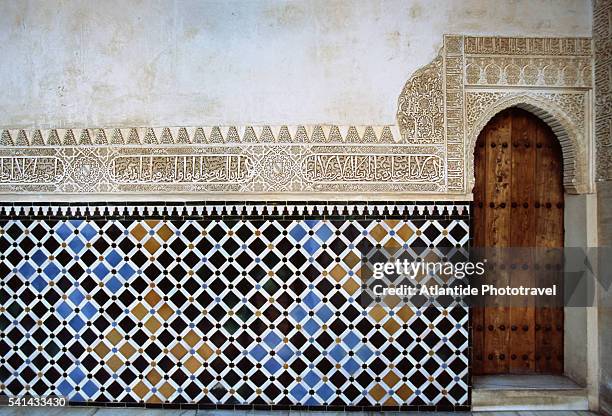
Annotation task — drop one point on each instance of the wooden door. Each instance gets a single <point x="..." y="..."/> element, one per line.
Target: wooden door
<point x="518" y="202"/>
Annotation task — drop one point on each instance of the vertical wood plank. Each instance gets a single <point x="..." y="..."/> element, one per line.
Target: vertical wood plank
<point x="522" y="234"/>
<point x="549" y="234"/>
<point x="497" y="234"/>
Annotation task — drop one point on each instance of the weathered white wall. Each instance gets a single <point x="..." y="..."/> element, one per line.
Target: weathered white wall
<point x="127" y="62"/>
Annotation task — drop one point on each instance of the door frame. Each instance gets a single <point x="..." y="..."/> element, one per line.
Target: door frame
<point x="581" y="349"/>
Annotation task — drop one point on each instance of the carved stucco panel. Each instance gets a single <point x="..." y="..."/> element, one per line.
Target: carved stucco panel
<point x="420" y="113"/>
<point x="509" y="68"/>
<point x="602" y="39"/>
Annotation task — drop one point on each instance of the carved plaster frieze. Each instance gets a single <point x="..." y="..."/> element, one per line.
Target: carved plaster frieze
<point x="441" y="110"/>
<point x="240" y="168"/>
<point x="529" y="71"/>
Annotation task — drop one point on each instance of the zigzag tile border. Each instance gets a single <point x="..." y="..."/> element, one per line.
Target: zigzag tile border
<point x="211" y="209"/>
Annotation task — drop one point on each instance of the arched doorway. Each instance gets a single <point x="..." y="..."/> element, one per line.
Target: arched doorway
<point x="518" y="202"/>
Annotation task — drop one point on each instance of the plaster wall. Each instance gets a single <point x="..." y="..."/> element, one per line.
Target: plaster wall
<point x="161" y="63"/>
<point x="604" y="207"/>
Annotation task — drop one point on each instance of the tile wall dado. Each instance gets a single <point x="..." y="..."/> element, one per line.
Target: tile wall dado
<point x="224" y="305"/>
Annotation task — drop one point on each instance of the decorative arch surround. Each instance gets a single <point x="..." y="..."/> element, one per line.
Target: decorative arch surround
<point x="480" y="76"/>
<point x="569" y="136"/>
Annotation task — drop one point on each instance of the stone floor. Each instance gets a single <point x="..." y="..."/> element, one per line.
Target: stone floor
<point x="74" y="411"/>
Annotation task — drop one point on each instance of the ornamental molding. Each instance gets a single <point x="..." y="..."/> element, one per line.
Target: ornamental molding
<point x="602" y="40"/>
<point x="441" y="110"/>
<point x="477" y="77"/>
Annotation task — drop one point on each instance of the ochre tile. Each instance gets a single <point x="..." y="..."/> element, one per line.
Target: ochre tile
<point x="391" y="379"/>
<point x="139" y="232"/>
<point x="377" y="392"/>
<point x="392" y="245"/>
<point x="192" y="364"/>
<point x="152" y="298"/>
<point x="139" y="311"/>
<point x="192" y="338"/>
<point x="390" y="402"/>
<point x="154" y="377"/>
<point x="114" y="337"/>
<point x="114" y="362"/>
<point x="391" y="223"/>
<point x="140" y="389"/>
<point x="165" y="311"/>
<point x="151" y="245"/>
<point x="391" y="326"/>
<point x="378" y="232"/>
<point x="391" y="301"/>
<point x="405" y="232"/>
<point x="205" y="351"/>
<point x="404" y="392"/>
<point x="351" y="259"/>
<point x="378" y="313"/>
<point x="165" y="232"/>
<point x="127" y="350"/>
<point x="167" y="390"/>
<point x="152" y="223"/>
<point x="337" y="273"/>
<point x="178" y="351"/>
<point x="155" y="399"/>
<point x="152" y="324"/>
<point x="351" y="286"/>
<point x="405" y="313"/>
<point x="101" y="349"/>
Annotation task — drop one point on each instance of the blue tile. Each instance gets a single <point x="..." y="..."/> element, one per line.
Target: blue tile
<point x="272" y="340"/>
<point x="324" y="232"/>
<point x="77" y="375"/>
<point x="77" y="323"/>
<point x="39" y="283"/>
<point x="298" y="313"/>
<point x="258" y="352"/>
<point x="64" y="310"/>
<point x="39" y="257"/>
<point x="311" y="326"/>
<point x="64" y="231"/>
<point x="114" y="284"/>
<point x="26" y="270"/>
<point x="113" y="258"/>
<point x="88" y="232"/>
<point x="76" y="297"/>
<point x="51" y="271"/>
<point x="311" y="246"/>
<point x="297" y="232"/>
<point x="311" y="378"/>
<point x="311" y="300"/>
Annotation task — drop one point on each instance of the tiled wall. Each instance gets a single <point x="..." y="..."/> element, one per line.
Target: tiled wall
<point x="219" y="304"/>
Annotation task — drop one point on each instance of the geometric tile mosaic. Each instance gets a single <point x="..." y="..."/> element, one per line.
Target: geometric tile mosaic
<point x="233" y="309"/>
